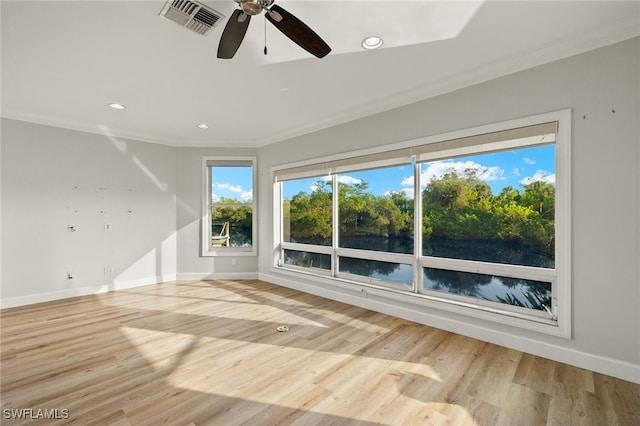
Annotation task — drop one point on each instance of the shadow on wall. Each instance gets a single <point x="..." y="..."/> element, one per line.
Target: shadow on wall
<point x="85" y="215"/>
<point x="144" y="217"/>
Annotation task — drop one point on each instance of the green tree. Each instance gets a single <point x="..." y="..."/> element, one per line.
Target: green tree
<point x="405" y="207"/>
<point x="239" y="215"/>
<point x="460" y="207"/>
<point x="309" y="215"/>
<point x="365" y="214"/>
<point x="353" y="201"/>
<point x="540" y="197"/>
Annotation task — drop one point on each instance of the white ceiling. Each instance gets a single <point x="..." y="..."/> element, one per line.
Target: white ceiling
<point x="64" y="61"/>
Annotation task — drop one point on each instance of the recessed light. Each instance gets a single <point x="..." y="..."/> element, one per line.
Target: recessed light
<point x="372" y="42"/>
<point x="117" y="106"/>
<point x="202" y="126"/>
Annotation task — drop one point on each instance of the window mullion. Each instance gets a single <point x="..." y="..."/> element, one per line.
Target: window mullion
<point x="487" y="268"/>
<point x="382" y="256"/>
<point x="417" y="228"/>
<point x="280" y="212"/>
<point x="311" y="248"/>
<point x="335" y="224"/>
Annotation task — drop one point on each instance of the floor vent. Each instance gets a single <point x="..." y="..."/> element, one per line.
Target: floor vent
<point x="192" y="15"/>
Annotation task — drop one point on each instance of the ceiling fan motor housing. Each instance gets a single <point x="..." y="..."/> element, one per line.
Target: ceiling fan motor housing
<point x="254" y="7"/>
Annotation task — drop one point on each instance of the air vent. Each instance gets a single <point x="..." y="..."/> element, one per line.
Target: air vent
<point x="191" y="15"/>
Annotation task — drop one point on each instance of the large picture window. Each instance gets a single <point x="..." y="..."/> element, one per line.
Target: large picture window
<point x="479" y="221"/>
<point x="229" y="206"/>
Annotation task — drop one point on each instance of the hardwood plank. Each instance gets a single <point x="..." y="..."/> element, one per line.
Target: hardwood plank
<point x="535" y="372"/>
<point x="491" y="375"/>
<point x="619" y="399"/>
<point x="207" y="352"/>
<point x="576" y="379"/>
<point x="526" y="407"/>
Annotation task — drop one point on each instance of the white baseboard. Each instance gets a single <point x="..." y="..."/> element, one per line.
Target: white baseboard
<point x="217" y="276"/>
<point x="604" y="365"/>
<point x="31" y="299"/>
<point x="82" y="291"/>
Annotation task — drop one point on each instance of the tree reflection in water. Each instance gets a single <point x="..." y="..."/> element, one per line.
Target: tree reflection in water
<point x="512" y="291"/>
<point x="307" y="260"/>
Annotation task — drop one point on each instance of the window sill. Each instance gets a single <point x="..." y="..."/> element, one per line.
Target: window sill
<point x="425" y="304"/>
<point x="230" y="252"/>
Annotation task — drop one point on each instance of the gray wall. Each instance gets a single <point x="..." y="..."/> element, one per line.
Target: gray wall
<point x="52" y="178"/>
<point x="601" y="87"/>
<point x="189" y="211"/>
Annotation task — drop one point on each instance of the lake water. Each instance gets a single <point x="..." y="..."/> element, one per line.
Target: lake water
<point x="514" y="291"/>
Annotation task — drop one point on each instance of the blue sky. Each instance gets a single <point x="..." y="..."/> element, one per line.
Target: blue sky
<point x="498" y="169"/>
<point x="232" y="182"/>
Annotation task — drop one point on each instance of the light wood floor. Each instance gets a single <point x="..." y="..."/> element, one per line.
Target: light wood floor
<point x="197" y="353"/>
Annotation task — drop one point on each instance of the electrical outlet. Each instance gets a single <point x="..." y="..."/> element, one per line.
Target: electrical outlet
<point x="233" y="261"/>
<point x="108" y="270"/>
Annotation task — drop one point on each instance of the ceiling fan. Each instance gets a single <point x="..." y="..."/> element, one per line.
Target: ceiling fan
<point x="284" y="21"/>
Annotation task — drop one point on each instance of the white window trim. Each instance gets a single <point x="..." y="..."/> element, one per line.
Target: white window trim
<point x="560" y="276"/>
<point x="206" y="249"/>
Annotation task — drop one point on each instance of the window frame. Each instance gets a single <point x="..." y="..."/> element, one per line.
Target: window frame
<point x="207" y="249"/>
<point x="489" y="268"/>
<point x="558" y="322"/>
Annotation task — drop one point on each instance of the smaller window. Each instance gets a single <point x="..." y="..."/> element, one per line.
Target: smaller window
<point x="229" y="216"/>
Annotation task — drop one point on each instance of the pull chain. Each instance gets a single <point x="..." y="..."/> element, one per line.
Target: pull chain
<point x="265" y="36"/>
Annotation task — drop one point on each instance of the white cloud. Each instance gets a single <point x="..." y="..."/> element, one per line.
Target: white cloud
<point x="437" y="169"/>
<point x="516" y="172"/>
<point x="528" y="160"/>
<point x="408" y="192"/>
<point x="243" y="194"/>
<point x="408" y="181"/>
<point x="348" y="180"/>
<point x="341" y="178"/>
<point x="246" y="195"/>
<point x="314" y="187"/>
<point x="231" y="188"/>
<point x="540" y="175"/>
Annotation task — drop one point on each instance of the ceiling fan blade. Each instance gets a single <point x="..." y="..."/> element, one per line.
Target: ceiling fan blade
<point x="297" y="31"/>
<point x="233" y="34"/>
